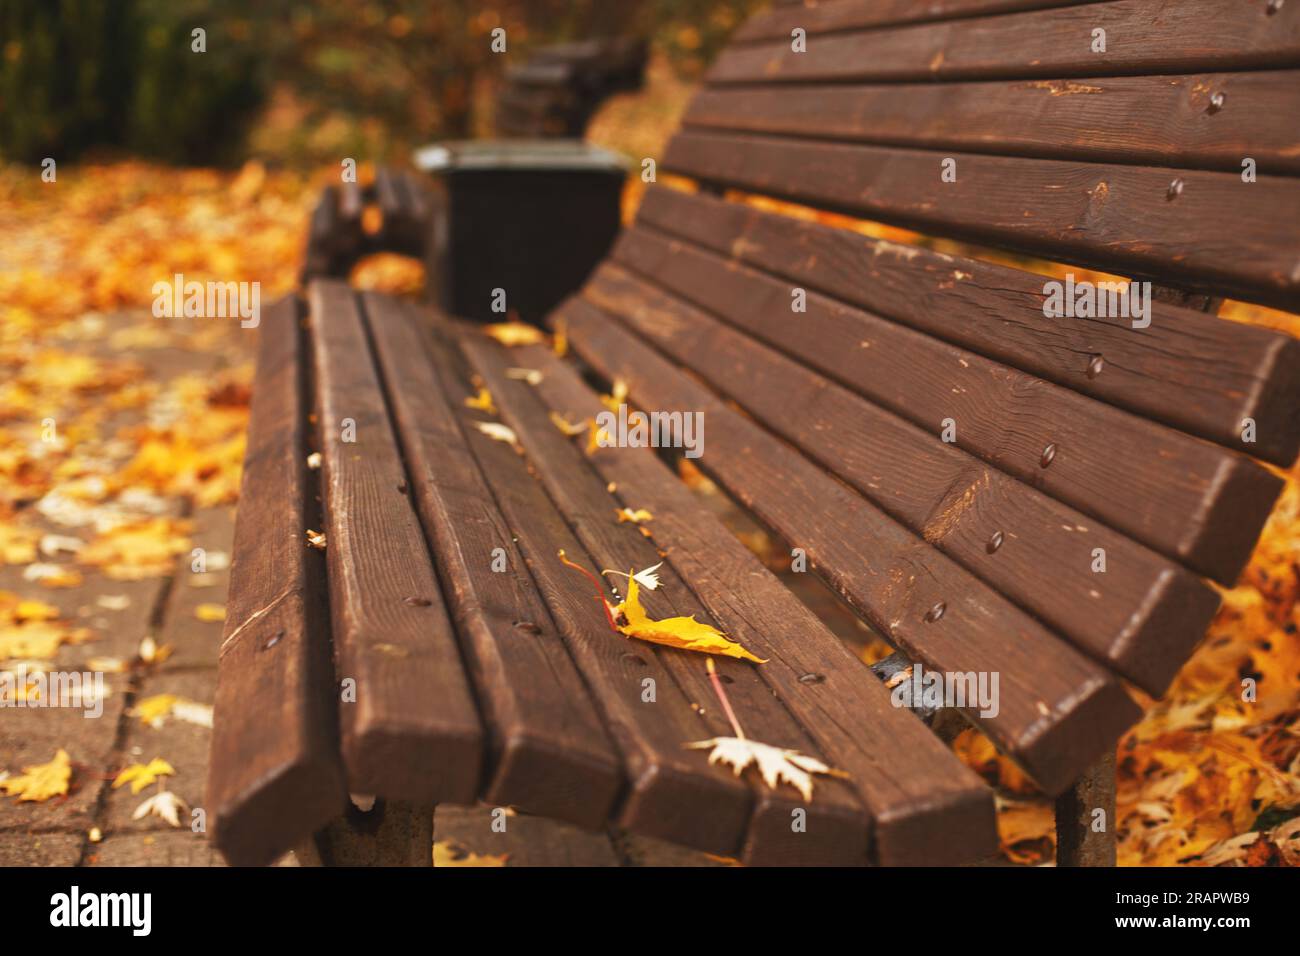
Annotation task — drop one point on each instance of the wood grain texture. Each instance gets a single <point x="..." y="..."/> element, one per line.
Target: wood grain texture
<point x="1142" y="617"/>
<point x="1212" y="232"/>
<point x="1184" y="497"/>
<point x="1143" y="120"/>
<point x="549" y="753"/>
<point x="1058" y="711"/>
<point x="926" y="808"/>
<point x="1142" y="37"/>
<point x="667" y="785"/>
<point x="836" y="815"/>
<point x="1195" y="372"/>
<point x="413" y="733"/>
<point x="274" y="774"/>
<point x="839" y="15"/>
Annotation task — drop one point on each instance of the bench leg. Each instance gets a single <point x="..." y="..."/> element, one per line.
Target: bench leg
<point x="390" y="834"/>
<point x="1079" y="842"/>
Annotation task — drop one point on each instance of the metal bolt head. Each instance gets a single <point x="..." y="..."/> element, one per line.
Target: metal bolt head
<point x="1095" y="365"/>
<point x="1049" y="453"/>
<point x="935" y="612"/>
<point x="994" y="542"/>
<point x="1216" y="102"/>
<point x="1274" y="6"/>
<point x="1175" y="189"/>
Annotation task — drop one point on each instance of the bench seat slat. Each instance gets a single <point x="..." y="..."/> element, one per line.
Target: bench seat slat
<point x="414" y="732"/>
<point x="1190" y="36"/>
<point x="840" y="15"/>
<point x="275" y="776"/>
<point x="1191" y="508"/>
<point x="666" y="784"/>
<point x="1119" y="219"/>
<point x="1141" y="618"/>
<point x="1058" y="710"/>
<point x="1144" y="120"/>
<point x="1187" y="369"/>
<point x="550" y="753"/>
<point x="927" y="808"/>
<point x="587" y="505"/>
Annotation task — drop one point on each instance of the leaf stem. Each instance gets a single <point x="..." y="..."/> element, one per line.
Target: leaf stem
<point x="600" y="592"/>
<point x="722" y="696"/>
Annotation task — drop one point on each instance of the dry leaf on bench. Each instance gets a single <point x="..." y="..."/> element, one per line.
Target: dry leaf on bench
<point x="482" y="401"/>
<point x="646" y="577"/>
<point x="774" y="763"/>
<point x="210" y="613"/>
<point x="530" y="375"/>
<point x="316" y="539"/>
<point x="685" y="633"/>
<point x="566" y="426"/>
<point x="636" y="517"/>
<point x="41" y="781"/>
<point x="497" y="431"/>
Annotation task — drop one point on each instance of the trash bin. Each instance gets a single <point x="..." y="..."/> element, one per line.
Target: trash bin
<point x="529" y="217"/>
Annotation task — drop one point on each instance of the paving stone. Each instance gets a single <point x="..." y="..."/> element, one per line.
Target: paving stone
<point x="195" y="642"/>
<point x="528" y="840"/>
<point x="40" y="849"/>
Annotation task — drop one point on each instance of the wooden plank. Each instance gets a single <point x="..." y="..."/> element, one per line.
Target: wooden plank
<point x="549" y="753"/>
<point x="1190" y="36"/>
<point x="1188" y="499"/>
<point x="1193" y="371"/>
<point x="1078" y="841"/>
<point x="524" y="841"/>
<point x="926" y="807"/>
<point x="1058" y="711"/>
<point x="837" y="826"/>
<point x="819" y="18"/>
<point x="274" y="772"/>
<point x="667" y="785"/>
<point x="1144" y="120"/>
<point x="1122" y="219"/>
<point x="1141" y="617"/>
<point x="413" y="733"/>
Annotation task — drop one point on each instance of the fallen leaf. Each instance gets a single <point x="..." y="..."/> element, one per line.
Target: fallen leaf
<point x="113" y="602"/>
<point x="53" y="575"/>
<point x="211" y="613"/>
<point x="685" y="633"/>
<point x="314" y="461"/>
<point x="40" y="640"/>
<point x="164" y="804"/>
<point x="497" y="431"/>
<point x="482" y="401"/>
<point x="154" y="710"/>
<point x="514" y="333"/>
<point x="646" y="577"/>
<point x="17" y="545"/>
<point x="55" y="544"/>
<point x="774" y="763"/>
<point x="139" y="549"/>
<point x="449" y="853"/>
<point x="617" y="396"/>
<point x="597" y="437"/>
<point x="316" y="539"/>
<point x="566" y="426"/>
<point x="150" y="652"/>
<point x="530" y="375"/>
<point x="560" y="342"/>
<point x="636" y="517"/>
<point x="140" y="776"/>
<point x="41" y="781"/>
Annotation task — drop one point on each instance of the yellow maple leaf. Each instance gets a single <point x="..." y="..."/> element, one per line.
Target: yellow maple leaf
<point x="138" y="550"/>
<point x="449" y="853"/>
<point x="636" y="517"/>
<point x="41" y="781"/>
<point x="498" y="432"/>
<point x="597" y="437"/>
<point x="153" y="709"/>
<point x="482" y="401"/>
<point x="17" y="545"/>
<point x="140" y="775"/>
<point x="685" y="633"/>
<point x="514" y="333"/>
<point x="560" y="343"/>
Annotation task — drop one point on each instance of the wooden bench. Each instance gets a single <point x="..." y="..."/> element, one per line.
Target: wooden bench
<point x="993" y="489"/>
<point x="559" y="89"/>
<point x="337" y="238"/>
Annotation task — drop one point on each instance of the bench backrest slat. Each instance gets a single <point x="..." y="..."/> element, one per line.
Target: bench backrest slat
<point x="1187" y="369"/>
<point x="840" y="15"/>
